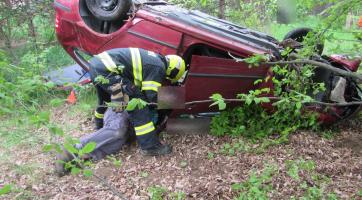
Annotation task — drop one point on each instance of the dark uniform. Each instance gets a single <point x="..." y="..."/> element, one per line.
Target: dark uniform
<point x="137" y="73"/>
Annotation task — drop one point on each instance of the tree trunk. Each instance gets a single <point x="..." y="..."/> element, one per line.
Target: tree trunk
<point x="5" y="35"/>
<point x="235" y="4"/>
<point x="30" y="23"/>
<point x="349" y="21"/>
<point x="32" y="32"/>
<point x="221" y="13"/>
<point x="5" y="38"/>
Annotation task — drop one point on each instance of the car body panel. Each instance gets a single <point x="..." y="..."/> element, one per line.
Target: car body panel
<point x="93" y="42"/>
<point x="209" y="25"/>
<point x="140" y="34"/>
<point x="209" y="75"/>
<point x="168" y="29"/>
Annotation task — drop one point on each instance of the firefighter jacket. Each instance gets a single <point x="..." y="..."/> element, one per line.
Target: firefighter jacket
<point x="145" y="69"/>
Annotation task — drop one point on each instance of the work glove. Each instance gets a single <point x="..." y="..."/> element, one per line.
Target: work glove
<point x="99" y="123"/>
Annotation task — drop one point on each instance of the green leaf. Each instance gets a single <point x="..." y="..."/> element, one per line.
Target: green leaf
<point x="70" y="148"/>
<point x="89" y="147"/>
<point x="144" y="174"/>
<point x="142" y="104"/>
<point x="101" y="79"/>
<point x="75" y="171"/>
<point x="218" y="100"/>
<point x="58" y="148"/>
<point x="216" y="97"/>
<point x="258" y="81"/>
<point x="87" y="173"/>
<point x="55" y="130"/>
<point x="47" y="147"/>
<point x="227" y="146"/>
<point x="210" y="155"/>
<point x="298" y="105"/>
<point x="56" y="102"/>
<point x="236" y="186"/>
<point x="41" y="118"/>
<point x="231" y="152"/>
<point x="5" y="189"/>
<point x="117" y="163"/>
<point x="360" y="193"/>
<point x="50" y="84"/>
<point x="264" y="99"/>
<point x="222" y="105"/>
<point x="248" y="100"/>
<point x="132" y="104"/>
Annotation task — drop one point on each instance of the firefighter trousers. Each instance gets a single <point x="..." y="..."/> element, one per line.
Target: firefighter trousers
<point x="142" y="120"/>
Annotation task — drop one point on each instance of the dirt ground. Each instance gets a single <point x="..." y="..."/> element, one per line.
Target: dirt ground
<point x="196" y="167"/>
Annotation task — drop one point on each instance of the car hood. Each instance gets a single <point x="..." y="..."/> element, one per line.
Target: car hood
<point x="217" y="26"/>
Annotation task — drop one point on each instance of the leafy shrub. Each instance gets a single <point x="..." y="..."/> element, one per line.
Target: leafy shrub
<point x="22" y="87"/>
<point x="292" y="89"/>
<point x="252" y="121"/>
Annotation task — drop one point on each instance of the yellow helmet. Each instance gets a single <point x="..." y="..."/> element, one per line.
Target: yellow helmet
<point x="176" y="67"/>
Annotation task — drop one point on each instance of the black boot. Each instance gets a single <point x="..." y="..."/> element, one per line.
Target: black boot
<point x="98" y="123"/>
<point x="157" y="150"/>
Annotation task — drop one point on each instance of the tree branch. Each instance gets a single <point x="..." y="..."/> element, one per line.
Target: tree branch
<point x="110" y="186"/>
<point x="278" y="98"/>
<point x="270" y="98"/>
<point x="355" y="75"/>
<point x="104" y="181"/>
<point x="321" y="65"/>
<point x="226" y="100"/>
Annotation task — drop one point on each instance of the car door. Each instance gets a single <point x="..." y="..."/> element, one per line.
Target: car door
<point x="210" y="75"/>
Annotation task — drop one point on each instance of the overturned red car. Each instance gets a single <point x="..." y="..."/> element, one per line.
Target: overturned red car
<point x="205" y="42"/>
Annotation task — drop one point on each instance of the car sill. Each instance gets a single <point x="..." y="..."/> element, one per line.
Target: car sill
<point x="202" y="75"/>
<point x="151" y="39"/>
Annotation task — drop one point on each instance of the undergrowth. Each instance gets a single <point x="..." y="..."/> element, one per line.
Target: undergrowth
<point x="302" y="174"/>
<point x="256" y="119"/>
<point x="160" y="193"/>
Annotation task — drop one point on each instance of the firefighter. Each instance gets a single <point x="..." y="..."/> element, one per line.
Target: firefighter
<point x="122" y="74"/>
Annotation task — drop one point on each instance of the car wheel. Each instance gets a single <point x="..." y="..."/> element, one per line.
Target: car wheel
<point x="109" y="10"/>
<point x="299" y="34"/>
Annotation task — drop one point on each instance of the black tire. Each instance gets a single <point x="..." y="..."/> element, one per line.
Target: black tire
<point x="109" y="10"/>
<point x="299" y="34"/>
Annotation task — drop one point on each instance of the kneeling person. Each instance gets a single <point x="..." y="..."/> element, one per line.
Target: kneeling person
<point x="135" y="73"/>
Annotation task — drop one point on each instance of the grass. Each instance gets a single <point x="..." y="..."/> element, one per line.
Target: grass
<point x="258" y="185"/>
<point x="159" y="193"/>
<point x="18" y="130"/>
<point x="22" y="142"/>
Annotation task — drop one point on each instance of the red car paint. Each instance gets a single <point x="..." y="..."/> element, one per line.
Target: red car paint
<point x="344" y="61"/>
<point x="155" y="29"/>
